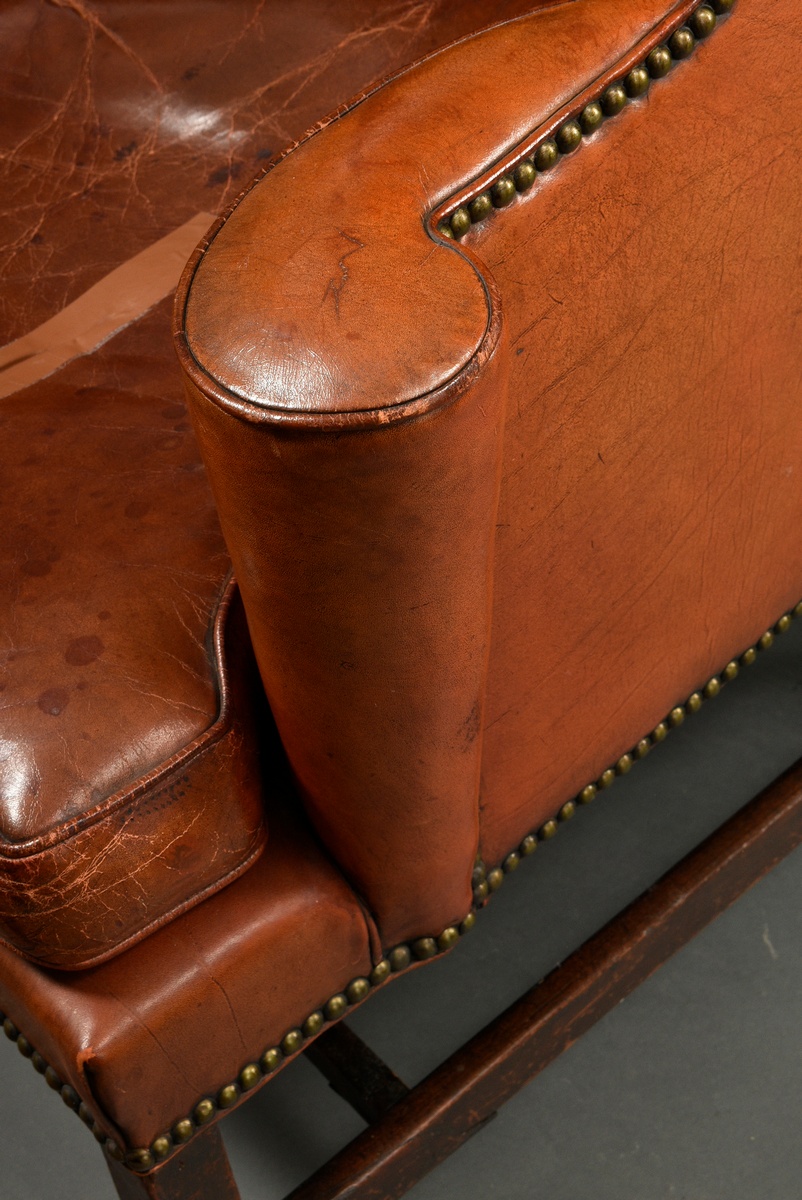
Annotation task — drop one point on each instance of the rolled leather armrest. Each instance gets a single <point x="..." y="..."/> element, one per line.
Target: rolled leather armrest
<point x="347" y="370"/>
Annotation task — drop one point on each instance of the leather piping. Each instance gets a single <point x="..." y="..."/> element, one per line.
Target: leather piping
<point x="660" y="34"/>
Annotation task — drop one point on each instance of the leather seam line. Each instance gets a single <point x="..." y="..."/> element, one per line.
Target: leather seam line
<point x="672" y="40"/>
<point x="398" y="960"/>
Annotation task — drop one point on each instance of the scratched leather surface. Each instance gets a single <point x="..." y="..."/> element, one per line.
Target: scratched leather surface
<point x="122" y="120"/>
<point x="129" y="776"/>
<point x="144" y="1036"/>
<point x="115" y="131"/>
<point x="646" y="530"/>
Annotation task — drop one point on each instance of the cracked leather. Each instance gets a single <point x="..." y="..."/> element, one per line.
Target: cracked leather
<point x="129" y="783"/>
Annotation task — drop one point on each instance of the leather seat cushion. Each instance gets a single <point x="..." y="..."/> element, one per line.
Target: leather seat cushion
<point x="129" y="783"/>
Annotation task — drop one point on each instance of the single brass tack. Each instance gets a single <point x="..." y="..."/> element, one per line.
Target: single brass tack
<point x="270" y="1060"/>
<point x="425" y="947"/>
<point x="227" y="1095"/>
<point x="448" y="938"/>
<point x="568" y="137"/>
<point x="335" y="1007"/>
<point x="606" y="779"/>
<point x="613" y="100"/>
<point x="703" y="21"/>
<point x="749" y="656"/>
<point x="52" y="1080"/>
<point x="546" y="155"/>
<point x="503" y="191"/>
<point x="24" y="1046"/>
<point x="637" y="82"/>
<point x="460" y="222"/>
<point x="114" y="1151"/>
<point x="400" y="958"/>
<point x="524" y="175"/>
<point x="784" y="624"/>
<point x="730" y="671"/>
<point x="588" y="793"/>
<point x="468" y="923"/>
<point x="681" y="42"/>
<point x="676" y="716"/>
<point x="249" y="1076"/>
<point x="313" y="1024"/>
<point x="567" y="810"/>
<point x="445" y="230"/>
<point x="10" y="1030"/>
<point x="380" y="972"/>
<point x="591" y="117"/>
<point x="624" y="764"/>
<point x="480" y="207"/>
<point x="204" y="1111"/>
<point x="38" y="1062"/>
<point x="712" y="687"/>
<point x="660" y="732"/>
<point x="722" y="6"/>
<point x="511" y="861"/>
<point x="183" y="1130"/>
<point x="481" y="891"/>
<point x="658" y="62"/>
<point x="140" y="1160"/>
<point x="693" y="703"/>
<point x="70" y="1097"/>
<point x="766" y="640"/>
<point x="86" y="1115"/>
<point x="161" y="1147"/>
<point x="357" y="990"/>
<point x="529" y="844"/>
<point x="292" y="1041"/>
<point x="643" y="747"/>
<point x="495" y="878"/>
<point x="479" y="873"/>
<point x="798" y="609"/>
<point x="549" y="829"/>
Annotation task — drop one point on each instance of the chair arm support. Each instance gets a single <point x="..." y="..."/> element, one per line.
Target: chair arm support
<point x="346" y="370"/>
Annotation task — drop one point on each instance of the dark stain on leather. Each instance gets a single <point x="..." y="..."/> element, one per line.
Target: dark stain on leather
<point x="53" y="701"/>
<point x="84" y="650"/>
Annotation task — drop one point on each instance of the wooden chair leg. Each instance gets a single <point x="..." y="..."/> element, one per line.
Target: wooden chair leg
<point x="200" y="1171"/>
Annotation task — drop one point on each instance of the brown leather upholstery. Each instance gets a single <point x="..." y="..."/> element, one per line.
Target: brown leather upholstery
<point x="130" y="781"/>
<point x="128" y="778"/>
<point x="144" y="1037"/>
<point x="284" y="364"/>
<point x="444" y="660"/>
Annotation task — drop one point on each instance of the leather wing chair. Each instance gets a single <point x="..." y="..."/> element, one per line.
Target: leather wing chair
<point x="471" y="480"/>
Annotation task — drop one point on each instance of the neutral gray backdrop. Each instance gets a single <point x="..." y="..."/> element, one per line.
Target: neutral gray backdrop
<point x="690" y="1090"/>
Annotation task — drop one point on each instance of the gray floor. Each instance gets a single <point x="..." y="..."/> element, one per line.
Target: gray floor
<point x="691" y="1089"/>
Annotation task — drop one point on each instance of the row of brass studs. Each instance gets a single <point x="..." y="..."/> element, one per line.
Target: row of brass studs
<point x="146" y="1158"/>
<point x="68" y="1094"/>
<point x="398" y="959"/>
<point x="485" y="882"/>
<point x="569" y="136"/>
